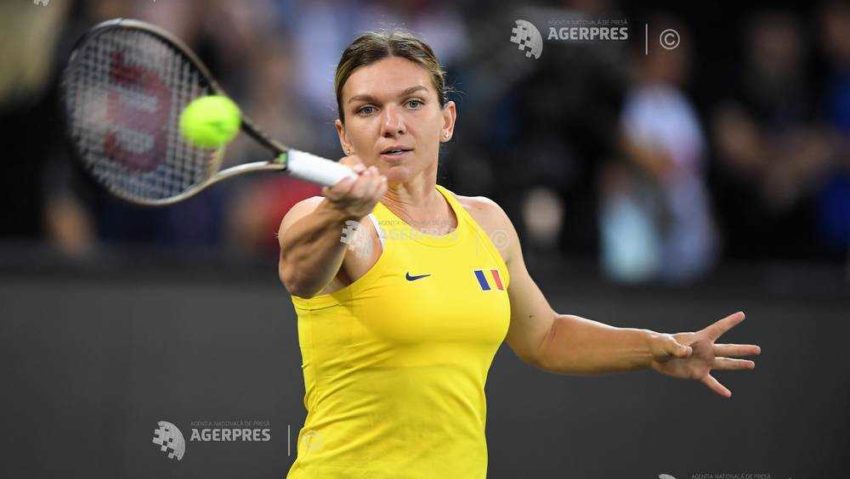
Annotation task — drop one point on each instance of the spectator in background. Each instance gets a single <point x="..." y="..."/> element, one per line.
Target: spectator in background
<point x="833" y="199"/>
<point x="437" y="21"/>
<point x="27" y="113"/>
<point x="323" y="29"/>
<point x="655" y="218"/>
<point x="536" y="135"/>
<point x="259" y="202"/>
<point x="770" y="152"/>
<point x="34" y="164"/>
<point x="539" y="128"/>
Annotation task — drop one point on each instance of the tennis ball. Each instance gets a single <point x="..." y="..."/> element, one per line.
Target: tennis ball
<point x="210" y="121"/>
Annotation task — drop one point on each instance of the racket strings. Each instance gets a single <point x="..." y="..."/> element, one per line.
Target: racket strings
<point x="125" y="90"/>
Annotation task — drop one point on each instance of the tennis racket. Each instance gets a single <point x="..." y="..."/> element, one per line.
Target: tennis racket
<point x="123" y="90"/>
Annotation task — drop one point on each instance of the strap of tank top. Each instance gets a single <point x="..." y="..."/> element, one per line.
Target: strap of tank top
<point x="377" y="228"/>
<point x="459" y="210"/>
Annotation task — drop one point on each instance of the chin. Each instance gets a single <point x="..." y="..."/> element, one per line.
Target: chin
<point x="400" y="172"/>
<point x="397" y="174"/>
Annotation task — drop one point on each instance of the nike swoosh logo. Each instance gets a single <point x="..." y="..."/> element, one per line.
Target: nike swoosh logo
<point x="414" y="278"/>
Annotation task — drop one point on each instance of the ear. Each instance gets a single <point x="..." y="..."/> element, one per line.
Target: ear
<point x="449" y="116"/>
<point x="343" y="137"/>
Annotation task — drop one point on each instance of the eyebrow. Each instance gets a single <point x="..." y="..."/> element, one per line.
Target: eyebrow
<point x="370" y="98"/>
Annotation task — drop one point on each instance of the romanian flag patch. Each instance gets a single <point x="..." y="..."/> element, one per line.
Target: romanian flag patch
<point x="488" y="279"/>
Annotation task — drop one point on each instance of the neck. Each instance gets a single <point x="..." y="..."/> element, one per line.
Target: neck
<point x="419" y="204"/>
<point x="411" y="196"/>
<point x="417" y="194"/>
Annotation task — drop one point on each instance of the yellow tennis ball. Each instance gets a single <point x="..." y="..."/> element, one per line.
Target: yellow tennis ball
<point x="210" y="121"/>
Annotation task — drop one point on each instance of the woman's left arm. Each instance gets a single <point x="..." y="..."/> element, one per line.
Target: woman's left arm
<point x="568" y="344"/>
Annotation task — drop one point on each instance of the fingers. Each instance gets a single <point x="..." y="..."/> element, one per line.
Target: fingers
<point x="356" y="197"/>
<point x="720" y="327"/>
<point x="729" y="364"/>
<point x="715" y="386"/>
<point x="736" y="350"/>
<point x="369" y="183"/>
<point x="340" y="189"/>
<point x="353" y="186"/>
<point x="364" y="183"/>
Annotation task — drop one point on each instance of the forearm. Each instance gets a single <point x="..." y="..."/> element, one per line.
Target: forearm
<point x="311" y="252"/>
<point x="576" y="345"/>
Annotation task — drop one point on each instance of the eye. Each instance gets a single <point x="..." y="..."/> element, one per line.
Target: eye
<point x="415" y="103"/>
<point x="366" y="110"/>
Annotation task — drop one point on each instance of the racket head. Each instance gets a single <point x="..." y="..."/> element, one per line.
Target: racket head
<point x="122" y="92"/>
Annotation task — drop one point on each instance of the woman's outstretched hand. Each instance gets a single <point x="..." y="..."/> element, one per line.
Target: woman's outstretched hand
<point x="694" y="355"/>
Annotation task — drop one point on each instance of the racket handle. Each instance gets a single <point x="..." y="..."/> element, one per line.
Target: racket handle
<point x="309" y="167"/>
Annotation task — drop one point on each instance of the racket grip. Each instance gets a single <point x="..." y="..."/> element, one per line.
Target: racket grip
<point x="315" y="169"/>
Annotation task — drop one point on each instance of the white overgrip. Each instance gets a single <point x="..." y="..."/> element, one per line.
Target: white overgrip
<point x="309" y="167"/>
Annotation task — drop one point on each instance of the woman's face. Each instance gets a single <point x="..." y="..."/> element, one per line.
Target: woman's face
<point x="393" y="118"/>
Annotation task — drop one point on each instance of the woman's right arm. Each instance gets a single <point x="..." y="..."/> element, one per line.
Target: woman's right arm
<point x="311" y="252"/>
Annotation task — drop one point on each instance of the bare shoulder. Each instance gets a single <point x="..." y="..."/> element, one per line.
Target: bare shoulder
<point x="484" y="210"/>
<point x="493" y="220"/>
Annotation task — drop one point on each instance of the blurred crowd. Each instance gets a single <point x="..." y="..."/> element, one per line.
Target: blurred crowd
<point x="661" y="163"/>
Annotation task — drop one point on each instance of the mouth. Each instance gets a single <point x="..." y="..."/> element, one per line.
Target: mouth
<point x="395" y="152"/>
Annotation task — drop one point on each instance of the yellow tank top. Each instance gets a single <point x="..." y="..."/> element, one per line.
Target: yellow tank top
<point x="395" y="363"/>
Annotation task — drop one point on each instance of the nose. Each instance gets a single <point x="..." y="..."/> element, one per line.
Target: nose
<point x="393" y="122"/>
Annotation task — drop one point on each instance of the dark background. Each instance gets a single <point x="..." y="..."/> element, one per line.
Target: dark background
<point x="114" y="317"/>
<point x="92" y="359"/>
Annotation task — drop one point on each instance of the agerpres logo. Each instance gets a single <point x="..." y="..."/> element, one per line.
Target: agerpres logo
<point x="357" y="239"/>
<point x="588" y="29"/>
<point x="230" y="431"/>
<point x="171" y="441"/>
<point x="576" y="30"/>
<point x="527" y="38"/>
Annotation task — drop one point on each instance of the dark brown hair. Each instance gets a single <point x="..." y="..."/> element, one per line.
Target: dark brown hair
<point x="370" y="47"/>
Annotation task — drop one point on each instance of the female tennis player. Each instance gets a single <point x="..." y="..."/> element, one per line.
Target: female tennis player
<point x="397" y="334"/>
